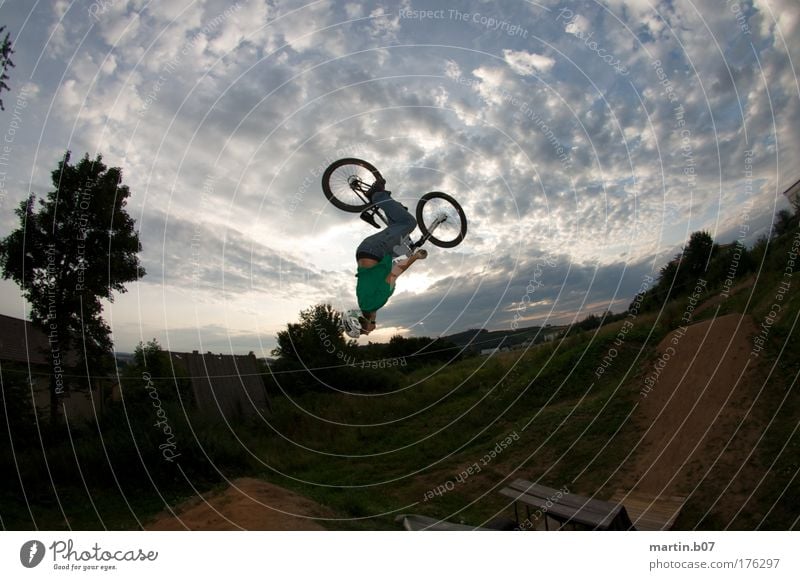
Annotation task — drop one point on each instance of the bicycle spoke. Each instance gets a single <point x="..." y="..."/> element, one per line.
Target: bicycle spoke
<point x="348" y="183"/>
<point x="449" y="221"/>
<point x="345" y="182"/>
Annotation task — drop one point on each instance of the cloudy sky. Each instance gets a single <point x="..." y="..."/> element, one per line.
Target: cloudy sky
<point x="585" y="140"/>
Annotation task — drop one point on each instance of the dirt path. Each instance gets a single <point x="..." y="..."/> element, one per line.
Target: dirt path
<point x="693" y="407"/>
<point x="247" y="504"/>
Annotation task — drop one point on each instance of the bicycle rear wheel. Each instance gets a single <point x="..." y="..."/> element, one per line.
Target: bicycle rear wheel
<point x="345" y="181"/>
<point x="441" y="219"/>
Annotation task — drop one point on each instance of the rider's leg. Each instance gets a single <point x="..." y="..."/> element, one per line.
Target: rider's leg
<point x="400" y="220"/>
<point x="401" y="223"/>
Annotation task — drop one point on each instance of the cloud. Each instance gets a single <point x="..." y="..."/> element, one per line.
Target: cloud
<point x="539" y="289"/>
<point x="527" y="63"/>
<point x="555" y="145"/>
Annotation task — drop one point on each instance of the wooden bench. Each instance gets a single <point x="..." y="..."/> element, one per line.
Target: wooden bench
<point x="566" y="507"/>
<point x="650" y="512"/>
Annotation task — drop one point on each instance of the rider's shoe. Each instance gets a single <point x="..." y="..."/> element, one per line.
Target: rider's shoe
<point x="369" y="217"/>
<point x="379" y="185"/>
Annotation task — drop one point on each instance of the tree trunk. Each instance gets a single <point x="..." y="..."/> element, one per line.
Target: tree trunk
<point x="53" y="398"/>
<point x="58" y="381"/>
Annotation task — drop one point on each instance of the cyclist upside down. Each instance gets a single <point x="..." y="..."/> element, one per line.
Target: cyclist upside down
<point x="376" y="272"/>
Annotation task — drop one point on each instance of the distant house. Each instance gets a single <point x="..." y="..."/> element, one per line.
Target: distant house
<point x="224" y="385"/>
<point x="25" y="354"/>
<point x="491" y="351"/>
<point x="793" y="193"/>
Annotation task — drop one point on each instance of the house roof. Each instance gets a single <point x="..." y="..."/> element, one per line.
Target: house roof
<point x="21" y="341"/>
<point x="793" y="191"/>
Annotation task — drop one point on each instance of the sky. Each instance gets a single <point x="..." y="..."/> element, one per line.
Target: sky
<point x="585" y="140"/>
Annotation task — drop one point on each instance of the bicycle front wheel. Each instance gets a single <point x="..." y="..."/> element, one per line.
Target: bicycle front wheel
<point x="345" y="181"/>
<point x="441" y="219"/>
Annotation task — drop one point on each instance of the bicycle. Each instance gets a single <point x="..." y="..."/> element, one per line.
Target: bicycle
<point x="345" y="182"/>
<point x="440" y="218"/>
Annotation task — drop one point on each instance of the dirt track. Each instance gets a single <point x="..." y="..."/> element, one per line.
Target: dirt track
<point x="247" y="504"/>
<point x="693" y="407"/>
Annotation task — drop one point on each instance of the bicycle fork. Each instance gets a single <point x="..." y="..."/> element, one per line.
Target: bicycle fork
<point x="407" y="247"/>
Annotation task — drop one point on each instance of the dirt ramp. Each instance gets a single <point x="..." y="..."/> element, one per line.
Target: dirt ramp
<point x="247" y="504"/>
<point x="692" y="398"/>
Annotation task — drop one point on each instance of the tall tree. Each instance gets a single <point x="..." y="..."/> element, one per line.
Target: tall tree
<point x="78" y="248"/>
<point x="5" y="61"/>
<point x="698" y="252"/>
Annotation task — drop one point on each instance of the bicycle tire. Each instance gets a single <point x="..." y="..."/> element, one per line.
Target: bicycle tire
<point x="337" y="183"/>
<point x="452" y="209"/>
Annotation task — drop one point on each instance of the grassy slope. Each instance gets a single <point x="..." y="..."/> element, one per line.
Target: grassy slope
<point x="574" y="430"/>
<point x="571" y="430"/>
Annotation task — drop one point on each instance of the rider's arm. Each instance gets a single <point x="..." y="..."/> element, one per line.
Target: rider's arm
<point x="399" y="268"/>
<point x="392" y="277"/>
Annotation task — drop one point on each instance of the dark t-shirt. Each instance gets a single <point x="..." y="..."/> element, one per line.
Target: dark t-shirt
<point x="372" y="289"/>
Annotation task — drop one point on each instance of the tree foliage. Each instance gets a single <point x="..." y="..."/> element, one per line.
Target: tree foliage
<point x="698" y="253"/>
<point x="77" y="248"/>
<point x="784" y="222"/>
<point x="316" y="340"/>
<point x="5" y="62"/>
<point x="151" y="365"/>
<point x="17" y="408"/>
<point x="314" y="355"/>
<point x="415" y="351"/>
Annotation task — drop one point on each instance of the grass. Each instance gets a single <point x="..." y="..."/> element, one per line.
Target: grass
<point x="569" y="427"/>
<point x="368" y="455"/>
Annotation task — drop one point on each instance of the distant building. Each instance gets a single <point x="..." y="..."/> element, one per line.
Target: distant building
<point x="224" y="385"/>
<point x="491" y="351"/>
<point x="25" y="354"/>
<point x="793" y="193"/>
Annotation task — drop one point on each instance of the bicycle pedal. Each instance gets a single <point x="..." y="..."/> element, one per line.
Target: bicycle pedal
<point x="369" y="217"/>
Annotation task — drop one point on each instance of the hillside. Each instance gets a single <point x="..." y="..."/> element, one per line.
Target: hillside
<point x="704" y="410"/>
<point x="693" y="429"/>
<point x="479" y="339"/>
